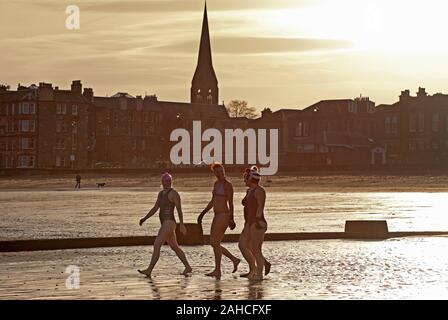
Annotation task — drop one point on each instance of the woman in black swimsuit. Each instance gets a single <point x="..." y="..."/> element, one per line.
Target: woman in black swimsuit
<point x="255" y="226"/>
<point x="167" y="199"/>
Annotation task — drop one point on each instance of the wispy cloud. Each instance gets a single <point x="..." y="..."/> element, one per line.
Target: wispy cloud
<point x="260" y="45"/>
<point x="170" y="5"/>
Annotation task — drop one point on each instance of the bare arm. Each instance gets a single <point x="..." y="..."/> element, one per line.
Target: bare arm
<point x="151" y="212"/>
<point x="230" y="199"/>
<point x="175" y="197"/>
<point x="207" y="209"/>
<point x="260" y="196"/>
<point x="232" y="224"/>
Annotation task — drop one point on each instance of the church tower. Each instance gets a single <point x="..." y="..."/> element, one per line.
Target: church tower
<point x="204" y="86"/>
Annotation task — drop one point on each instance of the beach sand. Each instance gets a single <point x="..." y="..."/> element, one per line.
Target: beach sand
<point x="413" y="268"/>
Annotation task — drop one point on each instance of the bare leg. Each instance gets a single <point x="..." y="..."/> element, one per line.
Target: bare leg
<point x="257" y="238"/>
<point x="164" y="234"/>
<point x="246" y="250"/>
<point x="236" y="261"/>
<point x="172" y="241"/>
<point x="219" y="227"/>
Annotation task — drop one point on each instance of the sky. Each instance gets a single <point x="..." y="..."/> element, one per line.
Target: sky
<point x="271" y="53"/>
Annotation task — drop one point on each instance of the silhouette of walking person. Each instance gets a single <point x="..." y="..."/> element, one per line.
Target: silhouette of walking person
<point x="167" y="200"/>
<point x="255" y="226"/>
<point x="78" y="181"/>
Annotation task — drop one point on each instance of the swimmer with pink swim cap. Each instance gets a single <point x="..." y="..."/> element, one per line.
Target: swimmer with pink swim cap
<point x="167" y="180"/>
<point x="167" y="200"/>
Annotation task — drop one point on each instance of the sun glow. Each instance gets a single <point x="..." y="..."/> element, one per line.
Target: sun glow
<point x="371" y="25"/>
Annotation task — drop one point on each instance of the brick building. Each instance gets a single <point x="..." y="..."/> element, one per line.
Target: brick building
<point x="43" y="127"/>
<point x="334" y="132"/>
<point x="415" y="129"/>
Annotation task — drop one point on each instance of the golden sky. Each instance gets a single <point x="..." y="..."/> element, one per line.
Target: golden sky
<point x="272" y="53"/>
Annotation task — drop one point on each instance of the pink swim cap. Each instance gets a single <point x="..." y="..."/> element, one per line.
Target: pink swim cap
<point x="166" y="177"/>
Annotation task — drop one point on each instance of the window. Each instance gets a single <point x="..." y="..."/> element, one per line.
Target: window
<point x="27" y="143"/>
<point x="64" y="109"/>
<point x="209" y="99"/>
<point x="412" y="145"/>
<point x="302" y="129"/>
<point x="24" y="126"/>
<point x="421" y="122"/>
<point x="26" y="161"/>
<point x="32" y="108"/>
<point x="60" y="143"/>
<point x="394" y="124"/>
<point x="74" y="110"/>
<point x="24" y="108"/>
<point x="299" y="129"/>
<point x="371" y="107"/>
<point x="60" y="162"/>
<point x="58" y="108"/>
<point x="387" y="125"/>
<point x="13" y="109"/>
<point x="107" y="130"/>
<point x="435" y="122"/>
<point x="413" y="122"/>
<point x="352" y="107"/>
<point x="143" y="144"/>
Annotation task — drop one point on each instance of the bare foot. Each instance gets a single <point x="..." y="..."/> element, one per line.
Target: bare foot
<point x="214" y="273"/>
<point x="235" y="265"/>
<point x="146" y="272"/>
<point x="267" y="267"/>
<point x="244" y="275"/>
<point x="187" y="271"/>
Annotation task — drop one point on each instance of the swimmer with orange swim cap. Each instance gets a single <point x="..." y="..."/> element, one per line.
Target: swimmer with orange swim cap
<point x="167" y="200"/>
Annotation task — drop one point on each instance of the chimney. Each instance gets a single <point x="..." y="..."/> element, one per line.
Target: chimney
<point x="88" y="94"/>
<point x="405" y="95"/>
<point x="3" y="88"/>
<point x="46" y="91"/>
<point x="77" y="87"/>
<point x="421" y="93"/>
<point x="151" y="99"/>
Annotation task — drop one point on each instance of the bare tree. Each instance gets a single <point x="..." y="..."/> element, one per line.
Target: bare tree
<point x="240" y="108"/>
<point x="4" y="86"/>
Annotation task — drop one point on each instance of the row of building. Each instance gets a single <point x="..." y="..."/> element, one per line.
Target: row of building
<point x="42" y="126"/>
<point x="46" y="127"/>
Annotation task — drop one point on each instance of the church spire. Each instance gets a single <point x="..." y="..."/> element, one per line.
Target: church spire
<point x="204" y="86"/>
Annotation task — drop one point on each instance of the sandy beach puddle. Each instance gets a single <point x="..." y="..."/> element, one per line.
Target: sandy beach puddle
<point x="409" y="268"/>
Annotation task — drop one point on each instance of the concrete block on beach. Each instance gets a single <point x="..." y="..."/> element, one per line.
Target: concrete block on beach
<point x="194" y="236"/>
<point x="367" y="229"/>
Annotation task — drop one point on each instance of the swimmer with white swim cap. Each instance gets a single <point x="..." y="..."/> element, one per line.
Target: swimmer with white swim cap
<point x="167" y="200"/>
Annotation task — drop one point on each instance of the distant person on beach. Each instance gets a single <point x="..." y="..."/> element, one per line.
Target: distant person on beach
<point x="78" y="181"/>
<point x="255" y="226"/>
<point x="222" y="204"/>
<point x="167" y="199"/>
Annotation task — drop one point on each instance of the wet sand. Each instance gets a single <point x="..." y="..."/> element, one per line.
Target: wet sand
<point x="299" y="182"/>
<point x="413" y="268"/>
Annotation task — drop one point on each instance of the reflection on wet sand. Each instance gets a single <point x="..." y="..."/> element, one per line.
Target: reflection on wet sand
<point x="256" y="290"/>
<point x="408" y="268"/>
